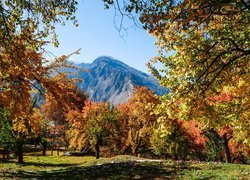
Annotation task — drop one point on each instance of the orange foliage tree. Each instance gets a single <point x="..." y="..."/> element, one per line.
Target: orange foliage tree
<point x="22" y="66"/>
<point x="138" y="119"/>
<point x="57" y="105"/>
<point x="225" y="116"/>
<point x="96" y="125"/>
<point x="25" y="73"/>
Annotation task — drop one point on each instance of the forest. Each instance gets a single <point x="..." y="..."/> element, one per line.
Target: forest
<point x="203" y="47"/>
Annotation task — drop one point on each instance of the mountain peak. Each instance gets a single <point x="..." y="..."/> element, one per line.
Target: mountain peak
<point x="109" y="60"/>
<point x="111" y="80"/>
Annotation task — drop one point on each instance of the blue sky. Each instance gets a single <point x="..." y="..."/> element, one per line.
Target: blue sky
<point x="97" y="36"/>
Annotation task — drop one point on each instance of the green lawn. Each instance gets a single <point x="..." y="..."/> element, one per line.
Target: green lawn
<point x="120" y="167"/>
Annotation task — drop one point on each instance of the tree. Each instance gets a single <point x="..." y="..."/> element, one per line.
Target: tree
<point x="24" y="73"/>
<point x="228" y="110"/>
<point x="140" y="122"/>
<point x="176" y="137"/>
<point x="12" y="132"/>
<point x="124" y="118"/>
<point x="25" y="25"/>
<point x="44" y="135"/>
<point x="207" y="40"/>
<point x="23" y="76"/>
<point x="204" y="50"/>
<point x="55" y="110"/>
<point x="7" y="139"/>
<point x="184" y="141"/>
<point x="96" y="125"/>
<point x="29" y="17"/>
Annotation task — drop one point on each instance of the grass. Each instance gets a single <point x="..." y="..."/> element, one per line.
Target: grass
<point x="120" y="167"/>
<point x="216" y="171"/>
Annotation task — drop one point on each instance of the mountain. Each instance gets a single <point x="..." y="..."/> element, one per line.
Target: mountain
<point x="108" y="79"/>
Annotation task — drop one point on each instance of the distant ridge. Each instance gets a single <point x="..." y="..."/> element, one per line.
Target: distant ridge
<point x="109" y="79"/>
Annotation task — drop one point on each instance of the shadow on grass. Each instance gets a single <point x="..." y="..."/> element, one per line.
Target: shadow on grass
<point x="125" y="170"/>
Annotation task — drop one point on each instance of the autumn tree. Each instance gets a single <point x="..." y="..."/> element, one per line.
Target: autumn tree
<point x="25" y="17"/>
<point x="140" y="121"/>
<point x="206" y="40"/>
<point x="203" y="45"/>
<point x="57" y="106"/>
<point x="25" y="69"/>
<point x="123" y="118"/>
<point x="228" y="111"/>
<point x="175" y="137"/>
<point x="184" y="141"/>
<point x="204" y="50"/>
<point x="25" y="28"/>
<point x="14" y="131"/>
<point x="95" y="126"/>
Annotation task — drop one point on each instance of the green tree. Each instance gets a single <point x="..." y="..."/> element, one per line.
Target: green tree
<point x="7" y="138"/>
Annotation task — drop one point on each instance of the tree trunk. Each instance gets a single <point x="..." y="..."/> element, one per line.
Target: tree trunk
<point x="7" y="152"/>
<point x="127" y="150"/>
<point x="20" y="152"/>
<point x="138" y="145"/>
<point x="44" y="144"/>
<point x="52" y="150"/>
<point x="242" y="158"/>
<point x="135" y="150"/>
<point x="97" y="150"/>
<point x="4" y="153"/>
<point x="221" y="157"/>
<point x="175" y="156"/>
<point x="58" y="151"/>
<point x="36" y="145"/>
<point x="226" y="149"/>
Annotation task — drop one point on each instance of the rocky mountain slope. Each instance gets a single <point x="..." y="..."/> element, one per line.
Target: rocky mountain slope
<point x="108" y="79"/>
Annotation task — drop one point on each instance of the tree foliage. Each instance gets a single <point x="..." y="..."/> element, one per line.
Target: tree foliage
<point x="139" y="120"/>
<point x="7" y="139"/>
<point x="25" y="18"/>
<point x="208" y="42"/>
<point x="56" y="107"/>
<point x="25" y="27"/>
<point x="96" y="125"/>
<point x="204" y="52"/>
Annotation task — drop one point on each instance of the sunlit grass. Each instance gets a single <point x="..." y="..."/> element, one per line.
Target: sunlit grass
<point x="213" y="170"/>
